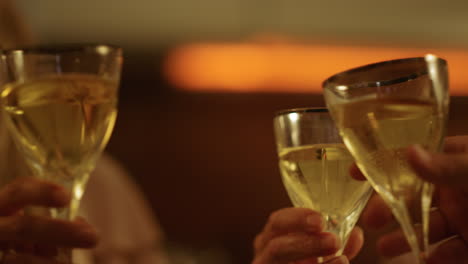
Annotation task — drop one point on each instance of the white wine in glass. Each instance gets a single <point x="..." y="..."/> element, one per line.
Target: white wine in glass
<point x="60" y="106"/>
<point x="382" y="109"/>
<point x="314" y="164"/>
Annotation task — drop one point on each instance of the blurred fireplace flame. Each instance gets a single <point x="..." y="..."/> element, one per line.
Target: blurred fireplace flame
<point x="286" y="67"/>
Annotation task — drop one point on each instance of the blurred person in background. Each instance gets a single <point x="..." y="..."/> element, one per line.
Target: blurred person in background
<point x="119" y="217"/>
<point x="294" y="235"/>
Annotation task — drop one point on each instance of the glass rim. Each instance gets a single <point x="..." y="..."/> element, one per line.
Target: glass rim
<point x="321" y="109"/>
<point x="63" y="48"/>
<point x="331" y="81"/>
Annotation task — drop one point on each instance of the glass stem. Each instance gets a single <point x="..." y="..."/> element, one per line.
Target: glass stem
<point x="64" y="255"/>
<point x="76" y="188"/>
<point x="415" y="242"/>
<point x="426" y="202"/>
<point x="342" y="231"/>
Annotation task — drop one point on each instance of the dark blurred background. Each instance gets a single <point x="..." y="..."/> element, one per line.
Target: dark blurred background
<point x="202" y="80"/>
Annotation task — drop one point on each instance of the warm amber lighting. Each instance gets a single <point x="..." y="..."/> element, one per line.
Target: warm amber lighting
<point x="287" y="67"/>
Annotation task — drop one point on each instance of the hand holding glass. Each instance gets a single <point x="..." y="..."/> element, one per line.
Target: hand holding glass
<point x="381" y="109"/>
<point x="315" y="164"/>
<point x="60" y="106"/>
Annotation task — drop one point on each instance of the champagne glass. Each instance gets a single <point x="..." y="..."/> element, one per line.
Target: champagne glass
<point x="60" y="106"/>
<point x="314" y="165"/>
<point x="380" y="109"/>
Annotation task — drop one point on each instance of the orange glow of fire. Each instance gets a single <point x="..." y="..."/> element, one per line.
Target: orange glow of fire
<point x="286" y="67"/>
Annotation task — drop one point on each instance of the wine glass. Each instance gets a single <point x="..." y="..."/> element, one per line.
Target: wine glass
<point x="314" y="165"/>
<point x="60" y="106"/>
<point x="380" y="109"/>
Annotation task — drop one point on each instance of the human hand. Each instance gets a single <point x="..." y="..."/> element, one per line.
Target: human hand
<point x="449" y="219"/>
<point x="295" y="235"/>
<point x="35" y="239"/>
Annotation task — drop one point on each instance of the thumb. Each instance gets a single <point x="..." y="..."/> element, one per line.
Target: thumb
<point x="440" y="168"/>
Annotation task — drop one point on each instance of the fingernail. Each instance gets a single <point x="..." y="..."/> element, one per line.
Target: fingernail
<point x="422" y="154"/>
<point x="329" y="242"/>
<point x="339" y="260"/>
<point x="88" y="237"/>
<point x="61" y="196"/>
<point x="315" y="223"/>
